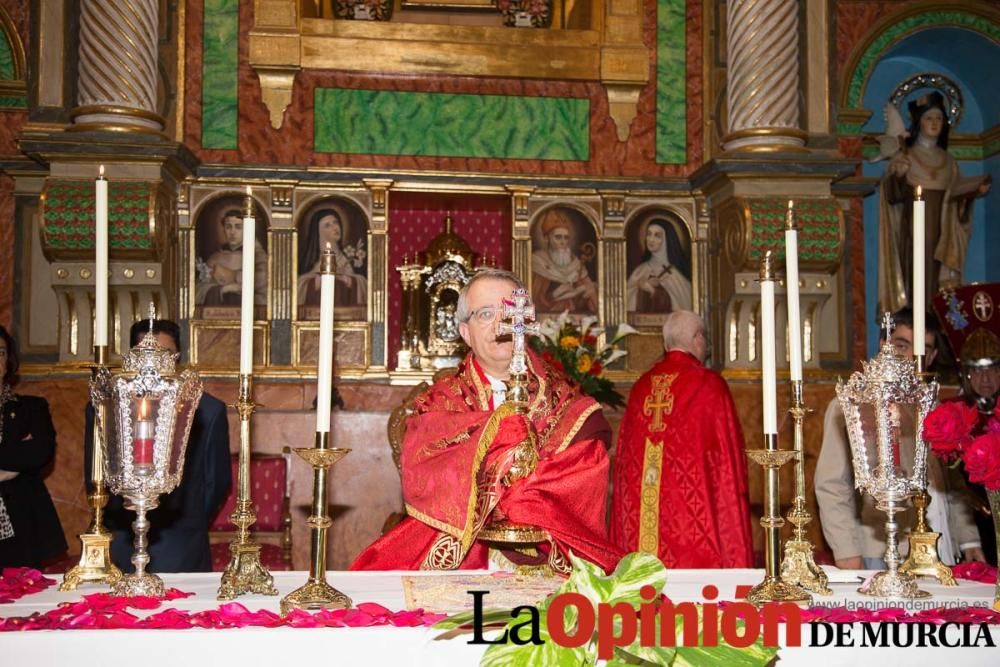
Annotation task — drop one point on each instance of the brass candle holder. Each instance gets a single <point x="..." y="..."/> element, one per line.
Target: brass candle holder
<point x="799" y="566"/>
<point x="773" y="588"/>
<point x="245" y="573"/>
<point x="95" y="564"/>
<point x="316" y="593"/>
<point x="923" y="561"/>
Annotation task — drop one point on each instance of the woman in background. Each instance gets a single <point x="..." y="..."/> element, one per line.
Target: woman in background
<point x="661" y="283"/>
<point x="30" y="532"/>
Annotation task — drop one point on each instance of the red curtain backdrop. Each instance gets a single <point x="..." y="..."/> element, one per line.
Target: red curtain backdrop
<point x="415" y="218"/>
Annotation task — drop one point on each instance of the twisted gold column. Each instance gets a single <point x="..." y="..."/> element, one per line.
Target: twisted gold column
<point x="117" y="66"/>
<point x="763" y="76"/>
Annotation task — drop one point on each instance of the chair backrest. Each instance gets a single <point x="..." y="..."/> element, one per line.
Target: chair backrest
<point x="396" y="427"/>
<point x="270" y="493"/>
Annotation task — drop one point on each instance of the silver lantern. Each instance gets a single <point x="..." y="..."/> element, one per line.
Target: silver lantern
<point x="151" y="408"/>
<point x="883" y="405"/>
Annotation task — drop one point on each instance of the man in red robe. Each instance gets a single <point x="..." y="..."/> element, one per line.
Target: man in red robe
<point x="459" y="448"/>
<point x="680" y="479"/>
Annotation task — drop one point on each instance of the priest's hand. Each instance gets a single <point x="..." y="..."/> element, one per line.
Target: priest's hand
<point x="852" y="563"/>
<point x="974" y="554"/>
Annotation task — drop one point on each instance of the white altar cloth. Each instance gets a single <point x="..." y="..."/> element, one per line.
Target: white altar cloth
<point x="384" y="645"/>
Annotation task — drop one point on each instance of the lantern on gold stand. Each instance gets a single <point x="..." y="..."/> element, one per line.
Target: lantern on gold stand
<point x="151" y="411"/>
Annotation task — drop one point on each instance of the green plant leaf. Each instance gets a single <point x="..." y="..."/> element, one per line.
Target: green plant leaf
<point x="490" y="615"/>
<point x="548" y="654"/>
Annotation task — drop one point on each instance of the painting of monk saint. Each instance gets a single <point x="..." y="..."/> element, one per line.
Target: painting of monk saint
<point x="659" y="268"/>
<point x="564" y="263"/>
<point x="343" y="226"/>
<point x="219" y="257"/>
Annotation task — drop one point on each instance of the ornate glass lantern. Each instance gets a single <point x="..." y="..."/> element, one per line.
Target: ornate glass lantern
<point x="884" y="408"/>
<point x="151" y="409"/>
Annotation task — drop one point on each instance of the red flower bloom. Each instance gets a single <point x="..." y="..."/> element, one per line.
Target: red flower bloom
<point x="590" y="341"/>
<point x="596" y="369"/>
<point x="948" y="428"/>
<point x="982" y="460"/>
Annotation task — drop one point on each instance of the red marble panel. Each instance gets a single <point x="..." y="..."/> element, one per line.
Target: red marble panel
<point x="19" y="12"/>
<point x="293" y="143"/>
<point x="854" y="21"/>
<point x="856" y="279"/>
<point x="851" y="147"/>
<point x="6" y="251"/>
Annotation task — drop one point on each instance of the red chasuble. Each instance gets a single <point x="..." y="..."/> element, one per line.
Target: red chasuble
<point x="456" y="451"/>
<point x="680" y="478"/>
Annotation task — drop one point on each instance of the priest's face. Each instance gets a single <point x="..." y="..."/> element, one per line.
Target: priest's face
<point x="480" y="331"/>
<point x="902" y="340"/>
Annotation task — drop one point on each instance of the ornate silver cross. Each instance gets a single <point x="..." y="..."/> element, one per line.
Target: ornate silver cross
<point x="518" y="319"/>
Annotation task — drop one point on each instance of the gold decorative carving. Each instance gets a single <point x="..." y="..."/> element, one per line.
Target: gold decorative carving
<point x="623" y="100"/>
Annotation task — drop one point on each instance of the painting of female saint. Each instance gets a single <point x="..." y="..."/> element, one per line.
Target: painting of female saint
<point x="659" y="267"/>
<point x="344" y="228"/>
<point x="564" y="263"/>
<point x="219" y="256"/>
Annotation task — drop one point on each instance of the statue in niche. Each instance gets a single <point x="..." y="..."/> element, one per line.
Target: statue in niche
<point x="659" y="278"/>
<point x="219" y="256"/>
<point x="331" y="224"/>
<point x="563" y="264"/>
<point x="920" y="157"/>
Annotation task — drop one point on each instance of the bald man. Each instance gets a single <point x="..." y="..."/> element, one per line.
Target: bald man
<point x="680" y="479"/>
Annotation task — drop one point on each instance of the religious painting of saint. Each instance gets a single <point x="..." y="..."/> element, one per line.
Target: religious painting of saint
<point x="219" y="257"/>
<point x="342" y="225"/>
<point x="659" y="267"/>
<point x="564" y="263"/>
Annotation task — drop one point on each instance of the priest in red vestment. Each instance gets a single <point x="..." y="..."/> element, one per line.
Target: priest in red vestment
<point x="459" y="448"/>
<point x="680" y="478"/>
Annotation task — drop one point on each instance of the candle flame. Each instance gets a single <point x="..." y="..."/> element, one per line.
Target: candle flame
<point x="101" y="171"/>
<point x="791" y="202"/>
<point x="249" y="191"/>
<point x="920" y="191"/>
<point x="329" y="247"/>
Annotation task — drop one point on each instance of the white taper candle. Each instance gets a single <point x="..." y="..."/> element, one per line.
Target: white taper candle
<point x="246" y="305"/>
<point x="324" y="371"/>
<point x="769" y="375"/>
<point x="101" y="260"/>
<point x="919" y="279"/>
<point x="792" y="280"/>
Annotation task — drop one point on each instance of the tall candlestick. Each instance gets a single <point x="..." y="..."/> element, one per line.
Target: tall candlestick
<point x="324" y="372"/>
<point x="770" y="389"/>
<point x="101" y="261"/>
<point x="792" y="280"/>
<point x="246" y="307"/>
<point x="919" y="288"/>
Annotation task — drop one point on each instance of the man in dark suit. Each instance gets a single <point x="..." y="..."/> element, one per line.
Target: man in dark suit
<point x="178" y="536"/>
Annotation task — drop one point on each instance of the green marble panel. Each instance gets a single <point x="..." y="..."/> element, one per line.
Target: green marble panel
<point x="442" y="125"/>
<point x="219" y="84"/>
<point x="671" y="80"/>
<point x="13" y="102"/>
<point x="6" y="58"/>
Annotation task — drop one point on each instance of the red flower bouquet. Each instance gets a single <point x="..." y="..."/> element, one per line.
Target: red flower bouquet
<point x="949" y="429"/>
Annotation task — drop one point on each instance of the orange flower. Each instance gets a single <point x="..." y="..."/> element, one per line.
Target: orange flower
<point x="569" y="342"/>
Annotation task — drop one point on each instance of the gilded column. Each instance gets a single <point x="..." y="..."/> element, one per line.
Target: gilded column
<point x="117" y="66"/>
<point x="763" y="77"/>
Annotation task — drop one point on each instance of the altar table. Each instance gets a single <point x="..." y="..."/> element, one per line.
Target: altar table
<point x="387" y="645"/>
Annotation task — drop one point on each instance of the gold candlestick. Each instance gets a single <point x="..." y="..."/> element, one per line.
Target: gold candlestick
<point x="245" y="573"/>
<point x="923" y="560"/>
<point x="95" y="564"/>
<point x="773" y="589"/>
<point x="316" y="593"/>
<point x="799" y="566"/>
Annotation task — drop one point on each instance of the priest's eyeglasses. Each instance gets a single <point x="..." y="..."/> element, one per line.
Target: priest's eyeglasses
<point x="484" y="315"/>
